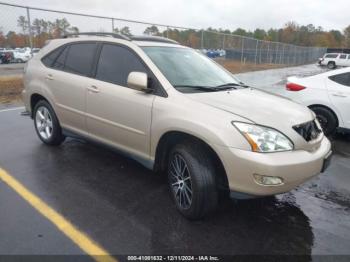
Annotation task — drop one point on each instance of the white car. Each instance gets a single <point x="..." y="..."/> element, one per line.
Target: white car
<point x="21" y="56"/>
<point x="332" y="60"/>
<point x="327" y="94"/>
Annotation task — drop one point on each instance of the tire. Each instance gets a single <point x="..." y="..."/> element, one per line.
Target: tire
<point x="198" y="177"/>
<point x="46" y="124"/>
<point x="331" y="65"/>
<point x="327" y="119"/>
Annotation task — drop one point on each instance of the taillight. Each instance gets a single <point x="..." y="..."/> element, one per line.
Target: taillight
<point x="294" y="87"/>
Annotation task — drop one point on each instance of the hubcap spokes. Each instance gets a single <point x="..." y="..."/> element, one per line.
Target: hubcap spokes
<point x="181" y="181"/>
<point x="43" y="122"/>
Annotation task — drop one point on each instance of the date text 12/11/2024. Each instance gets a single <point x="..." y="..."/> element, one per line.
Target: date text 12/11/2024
<point x="173" y="258"/>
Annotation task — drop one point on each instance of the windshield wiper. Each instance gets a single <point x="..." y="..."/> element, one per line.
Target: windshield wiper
<point x="205" y="88"/>
<point x="231" y="86"/>
<point x="213" y="88"/>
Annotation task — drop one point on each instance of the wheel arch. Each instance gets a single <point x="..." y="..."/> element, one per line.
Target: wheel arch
<point x="332" y="62"/>
<point x="34" y="99"/>
<point x="171" y="138"/>
<point x="328" y="108"/>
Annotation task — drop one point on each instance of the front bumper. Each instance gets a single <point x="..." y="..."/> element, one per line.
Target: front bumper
<point x="294" y="167"/>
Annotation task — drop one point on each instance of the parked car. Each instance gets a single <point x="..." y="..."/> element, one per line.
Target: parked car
<point x="176" y="112"/>
<point x="5" y="57"/>
<point x="213" y="53"/>
<point x="333" y="60"/>
<point x="327" y="94"/>
<point x="21" y="55"/>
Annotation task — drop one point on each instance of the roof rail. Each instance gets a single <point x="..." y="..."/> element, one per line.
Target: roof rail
<point x="115" y="35"/>
<point x="130" y="38"/>
<point x="153" y="39"/>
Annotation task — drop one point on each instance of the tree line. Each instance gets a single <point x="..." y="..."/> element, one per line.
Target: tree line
<point x="41" y="29"/>
<point x="291" y="33"/>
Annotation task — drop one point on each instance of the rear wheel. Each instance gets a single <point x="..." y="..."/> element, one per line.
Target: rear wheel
<point x="326" y="118"/>
<point x="46" y="124"/>
<point x="331" y="65"/>
<point x="191" y="177"/>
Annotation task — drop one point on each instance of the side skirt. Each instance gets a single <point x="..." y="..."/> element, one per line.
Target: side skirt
<point x="145" y="162"/>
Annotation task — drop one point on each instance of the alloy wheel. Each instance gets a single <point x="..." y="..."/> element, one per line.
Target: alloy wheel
<point x="180" y="181"/>
<point x="43" y="122"/>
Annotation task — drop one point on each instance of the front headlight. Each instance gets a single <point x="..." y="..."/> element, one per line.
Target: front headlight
<point x="264" y="139"/>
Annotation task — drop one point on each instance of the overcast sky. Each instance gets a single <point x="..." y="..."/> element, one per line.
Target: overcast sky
<point x="226" y="14"/>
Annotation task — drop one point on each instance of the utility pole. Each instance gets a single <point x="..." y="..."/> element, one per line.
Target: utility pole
<point x="30" y="29"/>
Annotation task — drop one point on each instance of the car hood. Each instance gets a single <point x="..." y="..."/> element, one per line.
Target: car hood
<point x="257" y="106"/>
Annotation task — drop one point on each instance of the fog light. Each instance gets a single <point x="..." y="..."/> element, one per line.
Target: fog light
<point x="268" y="180"/>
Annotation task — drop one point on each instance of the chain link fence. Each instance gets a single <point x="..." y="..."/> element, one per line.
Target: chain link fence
<point x="22" y="26"/>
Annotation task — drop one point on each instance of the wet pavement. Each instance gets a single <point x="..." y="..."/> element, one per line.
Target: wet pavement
<point x="11" y="69"/>
<point x="128" y="210"/>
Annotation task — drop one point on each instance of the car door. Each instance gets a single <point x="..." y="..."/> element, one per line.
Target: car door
<point x="116" y="114"/>
<point x="348" y="61"/>
<point x="342" y="60"/>
<point x="68" y="78"/>
<point x="338" y="87"/>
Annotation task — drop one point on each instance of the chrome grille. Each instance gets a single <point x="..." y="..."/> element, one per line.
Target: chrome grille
<point x="309" y="130"/>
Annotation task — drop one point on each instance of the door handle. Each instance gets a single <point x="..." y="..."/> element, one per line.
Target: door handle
<point x="339" y="95"/>
<point x="93" y="89"/>
<point x="49" y="77"/>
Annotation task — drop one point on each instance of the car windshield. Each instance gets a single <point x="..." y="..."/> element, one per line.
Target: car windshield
<point x="188" y="70"/>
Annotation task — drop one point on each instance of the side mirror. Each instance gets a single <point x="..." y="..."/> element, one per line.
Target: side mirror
<point x="138" y="81"/>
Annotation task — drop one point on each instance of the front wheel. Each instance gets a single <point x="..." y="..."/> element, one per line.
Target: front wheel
<point x="46" y="124"/>
<point x="191" y="177"/>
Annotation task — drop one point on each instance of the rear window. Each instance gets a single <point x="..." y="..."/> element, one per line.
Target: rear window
<point x="342" y="57"/>
<point x="331" y="56"/>
<point x="79" y="58"/>
<point x="343" y="79"/>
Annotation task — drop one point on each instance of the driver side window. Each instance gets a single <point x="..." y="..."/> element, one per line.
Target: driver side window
<point x="115" y="64"/>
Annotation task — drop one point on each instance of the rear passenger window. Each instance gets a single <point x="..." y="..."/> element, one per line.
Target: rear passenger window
<point x="116" y="63"/>
<point x="79" y="58"/>
<point x="51" y="57"/>
<point x="343" y="79"/>
<point x="343" y="57"/>
<point x="59" y="63"/>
